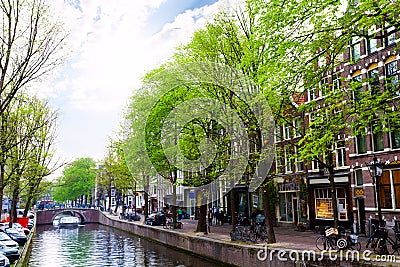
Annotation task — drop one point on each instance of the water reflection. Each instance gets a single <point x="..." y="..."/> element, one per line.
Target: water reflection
<point x="97" y="245"/>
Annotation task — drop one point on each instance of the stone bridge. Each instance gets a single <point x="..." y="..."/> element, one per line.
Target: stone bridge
<point x="86" y="215"/>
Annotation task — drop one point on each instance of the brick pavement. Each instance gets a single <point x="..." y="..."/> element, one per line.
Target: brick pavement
<point x="286" y="236"/>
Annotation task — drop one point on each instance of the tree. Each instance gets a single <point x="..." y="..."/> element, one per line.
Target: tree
<point x="77" y="180"/>
<point x="303" y="45"/>
<point x="31" y="42"/>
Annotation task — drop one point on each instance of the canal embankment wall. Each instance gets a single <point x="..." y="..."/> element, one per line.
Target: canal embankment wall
<point x="224" y="252"/>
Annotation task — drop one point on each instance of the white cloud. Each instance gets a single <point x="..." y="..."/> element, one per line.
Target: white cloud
<point x="112" y="50"/>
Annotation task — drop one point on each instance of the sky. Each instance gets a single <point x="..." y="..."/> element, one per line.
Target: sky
<point x="112" y="44"/>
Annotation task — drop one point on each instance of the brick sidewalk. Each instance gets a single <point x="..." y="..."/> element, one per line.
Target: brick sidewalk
<point x="286" y="236"/>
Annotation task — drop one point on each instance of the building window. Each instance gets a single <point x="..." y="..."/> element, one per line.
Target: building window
<point x="358" y="177"/>
<point x="355" y="49"/>
<point x="312" y="94"/>
<point x="392" y="75"/>
<point x="323" y="203"/>
<point x="336" y="81"/>
<point x="288" y="160"/>
<point x="372" y="46"/>
<point x="361" y="144"/>
<point x="299" y="164"/>
<point x="385" y="194"/>
<point x="286" y="131"/>
<point x="396" y="185"/>
<point x="373" y="77"/>
<point x="357" y="91"/>
<point x="314" y="165"/>
<point x="278" y="159"/>
<point x="323" y="86"/>
<point x="390" y="39"/>
<point x="340" y="154"/>
<point x="278" y="136"/>
<point x="377" y="137"/>
<point x="297" y="127"/>
<point x="395" y="138"/>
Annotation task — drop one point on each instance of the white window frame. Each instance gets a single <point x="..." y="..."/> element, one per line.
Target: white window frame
<point x="288" y="161"/>
<point x="395" y="74"/>
<point x="286" y="131"/>
<point x="340" y="153"/>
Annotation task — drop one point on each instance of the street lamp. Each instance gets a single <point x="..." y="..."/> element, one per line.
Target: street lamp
<point x="375" y="169"/>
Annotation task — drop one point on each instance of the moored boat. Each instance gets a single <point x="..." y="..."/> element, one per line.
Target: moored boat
<point x="68" y="221"/>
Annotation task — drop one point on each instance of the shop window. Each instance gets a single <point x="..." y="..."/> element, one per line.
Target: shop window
<point x="361" y="144"/>
<point x="395" y="138"/>
<point x="323" y="203"/>
<point x="340" y="154"/>
<point x="358" y="177"/>
<point x="286" y="207"/>
<point x="385" y="194"/>
<point x="396" y="183"/>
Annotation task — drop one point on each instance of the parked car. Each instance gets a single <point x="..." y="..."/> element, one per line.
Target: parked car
<point x="31" y="222"/>
<point x="15" y="235"/>
<point x="21" y="229"/>
<point x="8" y="247"/>
<point x="156" y="219"/>
<point x="4" y="261"/>
<point x="30" y="215"/>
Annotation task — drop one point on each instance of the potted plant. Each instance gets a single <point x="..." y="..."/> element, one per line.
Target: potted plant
<point x="301" y="226"/>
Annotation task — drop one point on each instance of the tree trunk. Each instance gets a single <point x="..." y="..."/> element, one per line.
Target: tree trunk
<point x="269" y="219"/>
<point x="202" y="219"/>
<point x="117" y="197"/>
<point x="233" y="209"/>
<point x="334" y="199"/>
<point x="146" y="199"/>
<point x="13" y="213"/>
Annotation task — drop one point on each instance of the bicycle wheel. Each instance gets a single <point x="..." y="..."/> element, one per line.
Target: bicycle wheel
<point x="331" y="243"/>
<point x="263" y="236"/>
<point x="320" y="243"/>
<point x="355" y="246"/>
<point x="381" y="247"/>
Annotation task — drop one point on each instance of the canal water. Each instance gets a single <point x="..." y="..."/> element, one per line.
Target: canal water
<point x="98" y="245"/>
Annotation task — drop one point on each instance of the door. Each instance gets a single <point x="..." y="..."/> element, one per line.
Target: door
<point x="296" y="210"/>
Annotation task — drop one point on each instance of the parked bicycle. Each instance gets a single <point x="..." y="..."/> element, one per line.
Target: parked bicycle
<point x="347" y="241"/>
<point x="380" y="241"/>
<point x="242" y="231"/>
<point x="328" y="238"/>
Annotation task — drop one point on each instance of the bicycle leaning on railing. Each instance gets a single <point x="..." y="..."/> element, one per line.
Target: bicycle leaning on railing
<point x="249" y="233"/>
<point x="379" y="240"/>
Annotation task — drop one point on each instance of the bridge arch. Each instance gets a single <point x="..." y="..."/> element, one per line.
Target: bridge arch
<point x="86" y="215"/>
